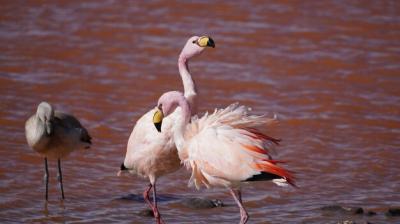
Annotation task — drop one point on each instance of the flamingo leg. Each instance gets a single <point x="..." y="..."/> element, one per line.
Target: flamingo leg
<point x="59" y="177"/>
<point x="46" y="178"/>
<point x="146" y="196"/>
<point x="157" y="214"/>
<point x="237" y="195"/>
<point x="153" y="207"/>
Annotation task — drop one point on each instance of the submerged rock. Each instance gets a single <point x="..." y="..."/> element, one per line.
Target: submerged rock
<point x="131" y="197"/>
<point x="332" y="208"/>
<point x="393" y="212"/>
<point x="339" y="208"/>
<point x="355" y="210"/>
<point x="353" y="222"/>
<point x="347" y="222"/>
<point x="139" y="198"/>
<point x="371" y="213"/>
<point x="202" y="203"/>
<point x="146" y="213"/>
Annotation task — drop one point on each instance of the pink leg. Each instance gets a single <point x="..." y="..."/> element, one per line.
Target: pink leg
<point x="157" y="214"/>
<point x="152" y="206"/>
<point x="237" y="195"/>
<point x="146" y="196"/>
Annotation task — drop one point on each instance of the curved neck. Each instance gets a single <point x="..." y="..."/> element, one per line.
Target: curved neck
<point x="40" y="126"/>
<point x="189" y="86"/>
<point x="181" y="123"/>
<point x="36" y="133"/>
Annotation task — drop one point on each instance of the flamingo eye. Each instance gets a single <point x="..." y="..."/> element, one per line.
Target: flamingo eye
<point x="194" y="41"/>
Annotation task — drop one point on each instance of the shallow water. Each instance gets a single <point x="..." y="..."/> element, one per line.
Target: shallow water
<point x="329" y="70"/>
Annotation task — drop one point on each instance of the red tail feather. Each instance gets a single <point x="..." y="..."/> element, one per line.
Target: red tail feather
<point x="270" y="166"/>
<point x="256" y="149"/>
<point x="274" y="161"/>
<point x="258" y="135"/>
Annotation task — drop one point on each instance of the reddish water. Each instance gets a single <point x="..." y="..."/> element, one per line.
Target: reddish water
<point x="330" y="70"/>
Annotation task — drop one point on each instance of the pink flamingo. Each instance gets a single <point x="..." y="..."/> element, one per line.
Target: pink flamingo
<point x="223" y="149"/>
<point x="151" y="154"/>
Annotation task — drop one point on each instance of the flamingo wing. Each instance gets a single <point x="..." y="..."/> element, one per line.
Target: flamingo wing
<point x="149" y="152"/>
<point x="225" y="149"/>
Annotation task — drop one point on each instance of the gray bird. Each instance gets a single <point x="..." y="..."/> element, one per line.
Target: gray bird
<point x="54" y="134"/>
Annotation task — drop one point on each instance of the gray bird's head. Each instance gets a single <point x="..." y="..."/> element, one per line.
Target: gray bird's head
<point x="45" y="113"/>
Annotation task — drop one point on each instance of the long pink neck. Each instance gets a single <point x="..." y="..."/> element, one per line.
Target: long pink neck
<point x="181" y="123"/>
<point x="189" y="86"/>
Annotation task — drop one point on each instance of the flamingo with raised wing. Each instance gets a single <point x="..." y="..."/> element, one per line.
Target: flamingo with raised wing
<point x="223" y="149"/>
<point x="151" y="154"/>
<point x="54" y="134"/>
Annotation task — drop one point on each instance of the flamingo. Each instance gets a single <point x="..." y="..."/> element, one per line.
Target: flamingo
<point x="223" y="149"/>
<point x="54" y="134"/>
<point x="151" y="154"/>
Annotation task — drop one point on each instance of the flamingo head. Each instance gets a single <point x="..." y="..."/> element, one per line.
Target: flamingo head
<point x="158" y="118"/>
<point x="167" y="104"/>
<point x="195" y="45"/>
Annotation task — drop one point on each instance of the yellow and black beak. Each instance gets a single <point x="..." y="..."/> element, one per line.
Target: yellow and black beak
<point x="157" y="119"/>
<point x="206" y="41"/>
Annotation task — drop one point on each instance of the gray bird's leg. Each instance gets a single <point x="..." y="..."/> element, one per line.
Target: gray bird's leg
<point x="59" y="177"/>
<point x="46" y="178"/>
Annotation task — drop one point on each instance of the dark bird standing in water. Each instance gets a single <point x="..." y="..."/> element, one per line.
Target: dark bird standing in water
<point x="54" y="134"/>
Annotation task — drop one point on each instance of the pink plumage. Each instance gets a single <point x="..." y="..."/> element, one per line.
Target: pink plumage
<point x="151" y="154"/>
<point x="225" y="148"/>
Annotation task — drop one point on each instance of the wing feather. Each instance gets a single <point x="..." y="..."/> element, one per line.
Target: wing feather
<point x="224" y="148"/>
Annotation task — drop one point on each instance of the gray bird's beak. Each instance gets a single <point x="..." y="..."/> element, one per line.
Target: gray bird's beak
<point x="48" y="127"/>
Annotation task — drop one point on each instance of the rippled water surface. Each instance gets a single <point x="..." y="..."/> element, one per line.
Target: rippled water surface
<point x="330" y="70"/>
